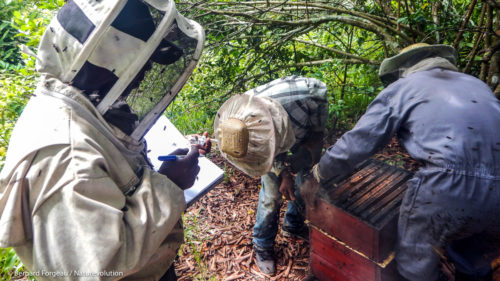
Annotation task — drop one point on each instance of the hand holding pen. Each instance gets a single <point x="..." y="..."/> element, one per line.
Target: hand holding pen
<point x="202" y="143"/>
<point x="184" y="169"/>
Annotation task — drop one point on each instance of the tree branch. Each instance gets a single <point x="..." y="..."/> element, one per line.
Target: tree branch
<point x="385" y="23"/>
<point x="339" y="52"/>
<point x="477" y="41"/>
<point x="315" y="21"/>
<point x="464" y="24"/>
<point x="487" y="44"/>
<point x="318" y="62"/>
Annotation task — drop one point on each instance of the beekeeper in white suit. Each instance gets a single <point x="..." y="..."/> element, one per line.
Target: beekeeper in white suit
<point x="78" y="196"/>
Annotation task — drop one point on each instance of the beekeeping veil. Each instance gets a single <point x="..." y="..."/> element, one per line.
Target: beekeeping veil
<point x="250" y="131"/>
<point x="137" y="51"/>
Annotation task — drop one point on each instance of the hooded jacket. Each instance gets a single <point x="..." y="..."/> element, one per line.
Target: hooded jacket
<point x="77" y="196"/>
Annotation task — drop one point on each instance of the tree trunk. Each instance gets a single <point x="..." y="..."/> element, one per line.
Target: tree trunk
<point x="494" y="71"/>
<point x="478" y="39"/>
<point x="464" y="24"/>
<point x="436" y="7"/>
<point x="483" y="75"/>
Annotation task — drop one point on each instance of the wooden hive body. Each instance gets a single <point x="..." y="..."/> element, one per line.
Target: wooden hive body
<point x="353" y="227"/>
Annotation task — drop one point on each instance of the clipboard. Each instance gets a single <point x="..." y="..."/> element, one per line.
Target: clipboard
<point x="162" y="139"/>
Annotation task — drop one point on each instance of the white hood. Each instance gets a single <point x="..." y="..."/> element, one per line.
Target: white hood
<point x="101" y="46"/>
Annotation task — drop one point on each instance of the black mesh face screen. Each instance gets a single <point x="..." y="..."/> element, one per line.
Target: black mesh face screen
<point x="158" y="79"/>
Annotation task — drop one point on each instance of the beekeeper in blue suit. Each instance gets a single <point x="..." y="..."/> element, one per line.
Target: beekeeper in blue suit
<point x="450" y="122"/>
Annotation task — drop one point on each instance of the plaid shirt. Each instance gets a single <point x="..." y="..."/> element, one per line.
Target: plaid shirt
<point x="304" y="99"/>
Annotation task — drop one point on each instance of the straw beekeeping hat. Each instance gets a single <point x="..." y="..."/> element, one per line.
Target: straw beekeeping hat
<point x="251" y="131"/>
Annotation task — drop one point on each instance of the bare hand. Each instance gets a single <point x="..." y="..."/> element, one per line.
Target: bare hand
<point x="183" y="171"/>
<point x="287" y="185"/>
<point x="202" y="143"/>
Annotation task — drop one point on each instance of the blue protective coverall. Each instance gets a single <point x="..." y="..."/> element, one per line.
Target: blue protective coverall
<point x="451" y="123"/>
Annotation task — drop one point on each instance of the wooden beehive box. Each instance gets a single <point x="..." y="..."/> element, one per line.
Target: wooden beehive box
<point x="353" y="227"/>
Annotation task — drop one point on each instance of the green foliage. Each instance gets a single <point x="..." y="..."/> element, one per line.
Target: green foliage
<point x="11" y="267"/>
<point x="9" y="54"/>
<point x="31" y="20"/>
<point x="194" y="108"/>
<point x="8" y="263"/>
<point x="22" y="22"/>
<point x="15" y="90"/>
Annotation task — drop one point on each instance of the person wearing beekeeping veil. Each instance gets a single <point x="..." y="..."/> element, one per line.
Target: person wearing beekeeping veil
<point x="275" y="131"/>
<point x="78" y="196"/>
<point x="450" y="122"/>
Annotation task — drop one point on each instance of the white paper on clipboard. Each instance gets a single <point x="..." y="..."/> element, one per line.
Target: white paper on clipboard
<point x="162" y="139"/>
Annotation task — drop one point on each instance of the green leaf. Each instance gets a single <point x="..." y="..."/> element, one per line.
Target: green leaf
<point x="10" y="260"/>
<point x="402" y="20"/>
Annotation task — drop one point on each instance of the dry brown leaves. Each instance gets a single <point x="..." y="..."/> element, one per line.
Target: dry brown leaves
<point x="224" y="223"/>
<point x="394" y="154"/>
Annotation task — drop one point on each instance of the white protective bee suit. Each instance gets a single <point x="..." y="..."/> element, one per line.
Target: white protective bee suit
<point x="78" y="197"/>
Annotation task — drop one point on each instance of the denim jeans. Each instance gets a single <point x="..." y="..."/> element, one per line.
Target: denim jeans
<point x="268" y="209"/>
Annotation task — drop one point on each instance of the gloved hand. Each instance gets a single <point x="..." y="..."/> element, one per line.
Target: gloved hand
<point x="287" y="185"/>
<point x="183" y="171"/>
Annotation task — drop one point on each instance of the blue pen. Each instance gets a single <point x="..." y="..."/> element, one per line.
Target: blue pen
<point x="170" y="157"/>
